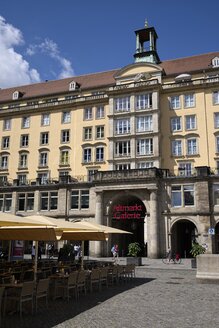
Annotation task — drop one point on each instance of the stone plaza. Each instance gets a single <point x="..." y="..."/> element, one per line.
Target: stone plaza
<point x="161" y="296"/>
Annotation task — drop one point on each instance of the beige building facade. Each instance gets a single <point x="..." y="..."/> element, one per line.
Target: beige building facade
<point x="135" y="148"/>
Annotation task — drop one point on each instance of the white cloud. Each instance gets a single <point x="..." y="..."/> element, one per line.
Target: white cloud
<point x="14" y="69"/>
<point x="50" y="48"/>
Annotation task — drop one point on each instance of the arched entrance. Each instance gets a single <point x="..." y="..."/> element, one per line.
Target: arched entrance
<point x="128" y="213"/>
<point x="216" y="238"/>
<point x="183" y="232"/>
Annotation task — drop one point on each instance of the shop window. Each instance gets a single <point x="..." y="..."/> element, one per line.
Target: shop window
<point x="48" y="201"/>
<point x="182" y="195"/>
<point x="79" y="199"/>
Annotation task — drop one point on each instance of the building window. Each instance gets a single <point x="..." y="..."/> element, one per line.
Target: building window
<point x="189" y="100"/>
<point x="216" y="120"/>
<point x="100" y="132"/>
<point x="100" y="112"/>
<point x="65" y="136"/>
<point x="215" y="62"/>
<point x="15" y="95"/>
<point x="72" y="86"/>
<point x="25" y="122"/>
<point x="216" y="194"/>
<point x="49" y="201"/>
<point x="87" y="155"/>
<point x="177" y="147"/>
<point x="88" y="113"/>
<point x="215" y="97"/>
<point x="182" y="195"/>
<point x="4" y="162"/>
<point x="144" y="123"/>
<point x="185" y="169"/>
<point x="123" y="167"/>
<point x="176" y="123"/>
<point x="79" y="199"/>
<point x="122" y="126"/>
<point x="190" y="122"/>
<point x="23" y="161"/>
<point x="87" y="133"/>
<point x="99" y="154"/>
<point x="26" y="202"/>
<point x="144" y="101"/>
<point x="45" y="119"/>
<point x="5" y="142"/>
<point x="7" y="124"/>
<point x="91" y="174"/>
<point x="122" y="104"/>
<point x="145" y="146"/>
<point x="5" y="202"/>
<point x="66" y="117"/>
<point x="43" y="178"/>
<point x="22" y="179"/>
<point x="145" y="165"/>
<point x="217" y="144"/>
<point x="122" y="148"/>
<point x="43" y="159"/>
<point x="24" y="140"/>
<point x="64" y="157"/>
<point x="44" y="138"/>
<point x="192" y="148"/>
<point x="175" y="102"/>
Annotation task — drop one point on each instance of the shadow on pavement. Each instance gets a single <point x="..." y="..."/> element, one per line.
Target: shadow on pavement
<point x="60" y="310"/>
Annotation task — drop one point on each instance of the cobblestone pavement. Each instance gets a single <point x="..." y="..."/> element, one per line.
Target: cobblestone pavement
<point x="159" y="297"/>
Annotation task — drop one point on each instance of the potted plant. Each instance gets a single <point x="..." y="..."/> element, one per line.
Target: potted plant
<point x="196" y="250"/>
<point x="133" y="251"/>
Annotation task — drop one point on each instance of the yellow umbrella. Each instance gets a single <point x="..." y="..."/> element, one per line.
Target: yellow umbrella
<point x="7" y="219"/>
<point x="107" y="230"/>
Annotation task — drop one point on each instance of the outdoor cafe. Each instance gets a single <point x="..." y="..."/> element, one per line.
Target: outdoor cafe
<point x="26" y="283"/>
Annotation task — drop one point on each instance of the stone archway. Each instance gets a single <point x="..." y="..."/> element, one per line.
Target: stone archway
<point x="183" y="232"/>
<point x="127" y="212"/>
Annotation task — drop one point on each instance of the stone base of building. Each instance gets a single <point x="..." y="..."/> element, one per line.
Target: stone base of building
<point x="207" y="268"/>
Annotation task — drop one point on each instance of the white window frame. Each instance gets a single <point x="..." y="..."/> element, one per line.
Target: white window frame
<point x="144" y="123"/>
<point x="100" y="154"/>
<point x="190" y="122"/>
<point x="7" y="124"/>
<point x="145" y="165"/>
<point x="100" y="112"/>
<point x="145" y="147"/>
<point x="216" y="120"/>
<point x="88" y="113"/>
<point x="44" y="138"/>
<point x="4" y="162"/>
<point x="185" y="169"/>
<point x="88" y="133"/>
<point x="65" y="136"/>
<point x="45" y="119"/>
<point x="189" y="100"/>
<point x="122" y="148"/>
<point x="100" y="132"/>
<point x="144" y="101"/>
<point x="25" y="122"/>
<point x="175" y="102"/>
<point x="87" y="155"/>
<point x="182" y="191"/>
<point x="192" y="146"/>
<point x="176" y="147"/>
<point x="122" y="126"/>
<point x="176" y="123"/>
<point x="122" y="104"/>
<point x="23" y="160"/>
<point x="24" y="140"/>
<point x="215" y="98"/>
<point x="64" y="157"/>
<point x="5" y="142"/>
<point x="66" y="117"/>
<point x="43" y="161"/>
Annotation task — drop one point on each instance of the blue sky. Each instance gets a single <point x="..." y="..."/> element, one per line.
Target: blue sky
<point x="51" y="39"/>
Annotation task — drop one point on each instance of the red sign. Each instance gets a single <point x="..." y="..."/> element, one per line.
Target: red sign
<point x="124" y="212"/>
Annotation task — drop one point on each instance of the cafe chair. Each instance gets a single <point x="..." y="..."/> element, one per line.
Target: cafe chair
<point x="104" y="276"/>
<point x="70" y="284"/>
<point x="42" y="290"/>
<point x="23" y="295"/>
<point x="95" y="279"/>
<point x="81" y="282"/>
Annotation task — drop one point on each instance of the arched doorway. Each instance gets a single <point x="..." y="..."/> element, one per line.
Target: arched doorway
<point x="128" y="213"/>
<point x="183" y="232"/>
<point x="216" y="238"/>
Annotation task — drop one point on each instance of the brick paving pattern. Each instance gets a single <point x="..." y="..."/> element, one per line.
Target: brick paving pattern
<point x="161" y="296"/>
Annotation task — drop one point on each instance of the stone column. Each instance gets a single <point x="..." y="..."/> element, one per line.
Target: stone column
<point x="99" y="220"/>
<point x="153" y="229"/>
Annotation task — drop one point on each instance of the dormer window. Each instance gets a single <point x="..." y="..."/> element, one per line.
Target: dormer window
<point x="215" y="62"/>
<point x="15" y="95"/>
<point x="73" y="86"/>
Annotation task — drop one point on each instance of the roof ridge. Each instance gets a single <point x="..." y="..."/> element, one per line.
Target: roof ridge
<point x="180" y="58"/>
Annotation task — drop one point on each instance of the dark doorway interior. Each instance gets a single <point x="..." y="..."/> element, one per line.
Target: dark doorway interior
<point x="183" y="233"/>
<point x="216" y="238"/>
<point x="134" y="225"/>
